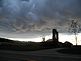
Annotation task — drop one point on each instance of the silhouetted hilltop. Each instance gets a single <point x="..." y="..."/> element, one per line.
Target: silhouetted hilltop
<point x="5" y="40"/>
<point x="31" y="46"/>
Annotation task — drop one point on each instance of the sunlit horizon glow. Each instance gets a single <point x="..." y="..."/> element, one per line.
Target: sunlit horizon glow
<point x="38" y="39"/>
<point x="62" y="38"/>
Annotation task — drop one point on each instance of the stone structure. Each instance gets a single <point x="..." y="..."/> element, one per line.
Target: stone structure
<point x="55" y="36"/>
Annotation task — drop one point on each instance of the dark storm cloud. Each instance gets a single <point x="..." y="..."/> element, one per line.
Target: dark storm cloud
<point x="38" y="15"/>
<point x="0" y="3"/>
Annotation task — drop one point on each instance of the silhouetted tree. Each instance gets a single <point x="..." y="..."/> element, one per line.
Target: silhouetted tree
<point x="43" y="39"/>
<point x="74" y="27"/>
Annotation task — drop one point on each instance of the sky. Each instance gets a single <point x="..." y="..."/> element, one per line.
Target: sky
<point x="37" y="18"/>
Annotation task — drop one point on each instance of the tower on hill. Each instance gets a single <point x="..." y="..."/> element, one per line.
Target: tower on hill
<point x="55" y="36"/>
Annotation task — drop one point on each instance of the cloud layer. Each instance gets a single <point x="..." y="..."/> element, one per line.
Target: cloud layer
<point x="38" y="15"/>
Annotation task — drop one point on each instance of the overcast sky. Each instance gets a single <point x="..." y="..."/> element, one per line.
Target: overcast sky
<point x="37" y="17"/>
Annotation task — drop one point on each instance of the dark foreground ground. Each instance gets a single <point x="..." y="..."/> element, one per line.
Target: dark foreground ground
<point x="42" y="55"/>
<point x="76" y="50"/>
